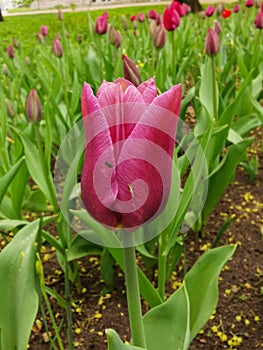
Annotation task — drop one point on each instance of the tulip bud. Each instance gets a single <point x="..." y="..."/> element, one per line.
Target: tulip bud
<point x="124" y="22"/>
<point x="152" y="27"/>
<point x="259" y="20"/>
<point x="44" y="30"/>
<point x="158" y="18"/>
<point x="141" y="17"/>
<point x="16" y="43"/>
<point x="159" y="37"/>
<point x="27" y="61"/>
<point x="60" y="15"/>
<point x="9" y="108"/>
<point x="40" y="38"/>
<point x="236" y="8"/>
<point x="218" y="27"/>
<point x="171" y="19"/>
<point x="226" y="13"/>
<point x="10" y="51"/>
<point x="220" y="9"/>
<point x="258" y="4"/>
<point x="33" y="107"/>
<point x="118" y="39"/>
<point x="5" y="70"/>
<point x="209" y="11"/>
<point x="112" y="35"/>
<point x="249" y="3"/>
<point x="212" y="43"/>
<point x="132" y="18"/>
<point x="152" y="14"/>
<point x="79" y="38"/>
<point x="130" y="71"/>
<point x="101" y="24"/>
<point x="57" y="48"/>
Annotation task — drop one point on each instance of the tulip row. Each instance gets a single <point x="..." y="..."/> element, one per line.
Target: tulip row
<point x="114" y="175"/>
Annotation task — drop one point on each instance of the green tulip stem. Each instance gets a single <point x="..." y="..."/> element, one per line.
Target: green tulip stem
<point x="68" y="303"/>
<point x="133" y="293"/>
<point x="214" y="88"/>
<point x="162" y="260"/>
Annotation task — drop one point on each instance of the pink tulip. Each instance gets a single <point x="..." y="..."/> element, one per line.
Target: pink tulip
<point x="212" y="43"/>
<point x="171" y="19"/>
<point x="60" y="15"/>
<point x="132" y="18"/>
<point x="152" y="14"/>
<point x="33" y="107"/>
<point x="186" y="7"/>
<point x="210" y="11"/>
<point x="140" y="17"/>
<point x="57" y="48"/>
<point x="159" y="37"/>
<point x="129" y="144"/>
<point x="101" y="24"/>
<point x="236" y="8"/>
<point x="249" y="3"/>
<point x="259" y="20"/>
<point x="44" y="30"/>
<point x="218" y="28"/>
<point x="179" y="8"/>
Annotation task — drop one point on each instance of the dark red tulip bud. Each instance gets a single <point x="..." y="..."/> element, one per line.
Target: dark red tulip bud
<point x="159" y="37"/>
<point x="130" y="71"/>
<point x="171" y="19"/>
<point x="33" y="107"/>
<point x="218" y="27"/>
<point x="259" y="20"/>
<point x="10" y="51"/>
<point x="152" y="14"/>
<point x="101" y="24"/>
<point x="60" y="15"/>
<point x="212" y="43"/>
<point x="44" y="30"/>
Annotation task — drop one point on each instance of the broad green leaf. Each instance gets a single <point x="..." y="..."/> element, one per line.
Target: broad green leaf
<point x="173" y="324"/>
<point x="226" y="171"/>
<point x="80" y="247"/>
<point x="245" y="124"/>
<point x="7" y="224"/>
<point x="115" y="343"/>
<point x="6" y="180"/>
<point x="18" y="298"/>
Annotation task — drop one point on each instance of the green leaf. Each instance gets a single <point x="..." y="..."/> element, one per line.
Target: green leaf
<point x="80" y="247"/>
<point x="6" y="180"/>
<point x="173" y="324"/>
<point x="18" y="298"/>
<point x="9" y="224"/>
<point x="115" y="343"/>
<point x="226" y="171"/>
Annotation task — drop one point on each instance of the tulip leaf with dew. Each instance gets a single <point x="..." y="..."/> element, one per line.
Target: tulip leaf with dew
<point x="115" y="343"/>
<point x="10" y="224"/>
<point x="6" y="180"/>
<point x="19" y="297"/>
<point x="226" y="169"/>
<point x="247" y="123"/>
<point x="174" y="324"/>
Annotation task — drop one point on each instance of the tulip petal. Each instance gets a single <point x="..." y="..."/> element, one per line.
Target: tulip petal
<point x="148" y="90"/>
<point x="98" y="181"/>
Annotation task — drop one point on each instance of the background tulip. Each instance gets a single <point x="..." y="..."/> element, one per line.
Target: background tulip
<point x="152" y="14"/>
<point x="57" y="48"/>
<point x="212" y="43"/>
<point x="171" y="19"/>
<point x="249" y="3"/>
<point x="259" y="20"/>
<point x="33" y="107"/>
<point x="10" y="51"/>
<point x="101" y="24"/>
<point x="141" y="17"/>
<point x="125" y="182"/>
<point x="44" y="30"/>
<point x="130" y="70"/>
<point x="226" y="13"/>
<point x="236" y="8"/>
<point x="159" y="37"/>
<point x="210" y="11"/>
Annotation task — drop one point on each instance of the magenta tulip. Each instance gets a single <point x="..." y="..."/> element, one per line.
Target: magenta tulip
<point x="236" y="8"/>
<point x="101" y="24"/>
<point x="171" y="19"/>
<point x="259" y="20"/>
<point x="210" y="11"/>
<point x="179" y="8"/>
<point x="249" y="3"/>
<point x="212" y="43"/>
<point x="152" y="14"/>
<point x="57" y="48"/>
<point x="218" y="28"/>
<point x="140" y="17"/>
<point x="129" y="144"/>
<point x="33" y="107"/>
<point x="132" y="18"/>
<point x="159" y="37"/>
<point x="44" y="30"/>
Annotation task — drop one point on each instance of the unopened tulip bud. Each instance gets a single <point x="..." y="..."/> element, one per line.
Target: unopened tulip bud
<point x="118" y="39"/>
<point x="141" y="17"/>
<point x="40" y="38"/>
<point x="152" y="14"/>
<point x="159" y="37"/>
<point x="130" y="71"/>
<point x="124" y="22"/>
<point x="101" y="24"/>
<point x="27" y="61"/>
<point x="220" y="9"/>
<point x="9" y="108"/>
<point x="132" y="18"/>
<point x="159" y="18"/>
<point x="218" y="27"/>
<point x="212" y="43"/>
<point x="236" y="8"/>
<point x="33" y="107"/>
<point x="152" y="27"/>
<point x="210" y="11"/>
<point x="259" y="20"/>
<point x="112" y="35"/>
<point x="57" y="48"/>
<point x="44" y="30"/>
<point x="60" y="15"/>
<point x="10" y="51"/>
<point x="5" y="70"/>
<point x="249" y="3"/>
<point x="16" y="43"/>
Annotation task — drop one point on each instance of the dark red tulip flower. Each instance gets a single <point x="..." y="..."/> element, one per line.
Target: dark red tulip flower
<point x="132" y="18"/>
<point x="101" y="24"/>
<point x="140" y="17"/>
<point x="179" y="8"/>
<point x="259" y="20"/>
<point x="129" y="145"/>
<point x="171" y="19"/>
<point x="226" y="13"/>
<point x="130" y="71"/>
